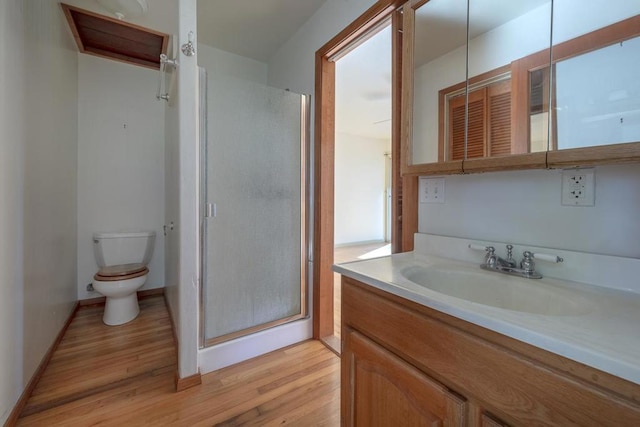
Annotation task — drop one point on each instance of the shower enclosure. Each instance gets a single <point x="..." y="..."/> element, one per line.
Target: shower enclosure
<point x="253" y="193"/>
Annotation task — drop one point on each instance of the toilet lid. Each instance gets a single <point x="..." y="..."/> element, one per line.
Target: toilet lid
<point x="121" y="272"/>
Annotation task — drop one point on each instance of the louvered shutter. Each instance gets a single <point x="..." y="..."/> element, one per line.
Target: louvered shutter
<point x="499" y="119"/>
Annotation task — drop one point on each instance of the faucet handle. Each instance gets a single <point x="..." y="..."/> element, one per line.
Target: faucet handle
<point x="528" y="264"/>
<point x="490" y="257"/>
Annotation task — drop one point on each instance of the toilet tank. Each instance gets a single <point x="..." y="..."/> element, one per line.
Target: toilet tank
<point x="123" y="248"/>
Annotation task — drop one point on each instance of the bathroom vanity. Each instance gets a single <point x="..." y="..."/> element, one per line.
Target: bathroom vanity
<point x="412" y="355"/>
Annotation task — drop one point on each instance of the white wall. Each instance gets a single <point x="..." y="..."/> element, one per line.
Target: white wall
<point x="293" y="65"/>
<point x="120" y="160"/>
<point x="359" y="213"/>
<point x="524" y="207"/>
<point x="186" y="317"/>
<point x="12" y="107"/>
<point x="38" y="113"/>
<point x="172" y="210"/>
<point x="218" y="62"/>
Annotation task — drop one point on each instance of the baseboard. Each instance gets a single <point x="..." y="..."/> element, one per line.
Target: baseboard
<point x="173" y="325"/>
<point x="192" y="380"/>
<point x="332" y="342"/>
<point x="187" y="382"/>
<point x="146" y="293"/>
<point x="31" y="385"/>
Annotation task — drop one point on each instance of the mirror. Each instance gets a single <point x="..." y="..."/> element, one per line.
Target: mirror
<point x="502" y="37"/>
<point x="596" y="89"/>
<point x="498" y="103"/>
<point x="501" y="34"/>
<point x="439" y="61"/>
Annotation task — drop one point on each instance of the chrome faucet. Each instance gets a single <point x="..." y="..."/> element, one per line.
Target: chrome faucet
<point x="493" y="261"/>
<point x="526" y="267"/>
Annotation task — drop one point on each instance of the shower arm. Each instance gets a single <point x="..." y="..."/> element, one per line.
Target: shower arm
<point x="164" y="61"/>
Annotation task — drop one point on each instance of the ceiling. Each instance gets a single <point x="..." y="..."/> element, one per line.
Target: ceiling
<point x="258" y="28"/>
<point x="363" y="88"/>
<point x="252" y="28"/>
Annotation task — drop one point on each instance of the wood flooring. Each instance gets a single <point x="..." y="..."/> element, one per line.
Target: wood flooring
<point x="124" y="376"/>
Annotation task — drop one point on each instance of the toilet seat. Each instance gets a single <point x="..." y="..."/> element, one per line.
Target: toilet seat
<point x="115" y="273"/>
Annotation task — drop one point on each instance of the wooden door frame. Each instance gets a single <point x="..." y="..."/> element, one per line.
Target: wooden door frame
<point x="404" y="209"/>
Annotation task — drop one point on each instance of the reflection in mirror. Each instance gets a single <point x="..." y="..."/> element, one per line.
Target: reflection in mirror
<point x="596" y="87"/>
<point x="502" y="35"/>
<point x="440" y="39"/>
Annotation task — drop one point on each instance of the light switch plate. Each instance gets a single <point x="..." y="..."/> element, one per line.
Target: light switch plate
<point x="578" y="187"/>
<point x="431" y="190"/>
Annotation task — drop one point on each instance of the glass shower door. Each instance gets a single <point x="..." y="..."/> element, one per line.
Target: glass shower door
<point x="254" y="228"/>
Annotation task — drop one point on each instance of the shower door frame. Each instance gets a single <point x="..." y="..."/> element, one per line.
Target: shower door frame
<point x="206" y="212"/>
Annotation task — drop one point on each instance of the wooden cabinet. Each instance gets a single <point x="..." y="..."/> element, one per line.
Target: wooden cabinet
<point x="384" y="390"/>
<point x="406" y="364"/>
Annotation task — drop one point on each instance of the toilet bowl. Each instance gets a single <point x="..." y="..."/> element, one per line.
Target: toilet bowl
<point x="123" y="259"/>
<point x="119" y="284"/>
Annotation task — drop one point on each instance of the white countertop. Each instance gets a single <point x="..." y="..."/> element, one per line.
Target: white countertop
<point x="606" y="335"/>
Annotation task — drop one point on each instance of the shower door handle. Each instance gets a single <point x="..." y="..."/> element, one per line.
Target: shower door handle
<point x="211" y="210"/>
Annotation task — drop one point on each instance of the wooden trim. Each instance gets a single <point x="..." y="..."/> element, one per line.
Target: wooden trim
<point x="136" y="48"/>
<point x="514" y="162"/>
<point x="377" y="13"/>
<point x="146" y="293"/>
<point x="324" y="156"/>
<point x="589" y="156"/>
<point x="92" y="301"/>
<point x="31" y="385"/>
<point x="174" y="331"/>
<point x="188" y="382"/>
<point x="398" y="203"/>
<point x="406" y="131"/>
<point x="451" y="167"/>
<point x="605" y="36"/>
<point x="409" y="211"/>
<point x="332" y="342"/>
<point x="324" y="197"/>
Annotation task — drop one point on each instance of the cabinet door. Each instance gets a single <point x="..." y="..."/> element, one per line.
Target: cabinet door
<point x="383" y="390"/>
<point x="488" y="421"/>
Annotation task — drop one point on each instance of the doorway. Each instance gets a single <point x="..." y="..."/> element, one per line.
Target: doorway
<point x="362" y="152"/>
<point x="404" y="221"/>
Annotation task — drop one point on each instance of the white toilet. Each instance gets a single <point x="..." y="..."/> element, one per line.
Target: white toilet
<point x="123" y="259"/>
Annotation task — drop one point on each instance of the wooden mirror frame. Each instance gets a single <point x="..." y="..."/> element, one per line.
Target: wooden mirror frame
<point x="574" y="157"/>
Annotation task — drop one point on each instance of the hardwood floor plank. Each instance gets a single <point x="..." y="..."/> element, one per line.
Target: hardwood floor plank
<point x="124" y="375"/>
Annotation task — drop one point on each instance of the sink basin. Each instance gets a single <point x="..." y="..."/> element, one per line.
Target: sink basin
<point x="497" y="290"/>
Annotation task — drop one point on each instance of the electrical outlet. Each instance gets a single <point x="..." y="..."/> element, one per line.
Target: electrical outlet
<point x="578" y="187"/>
<point x="431" y="190"/>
